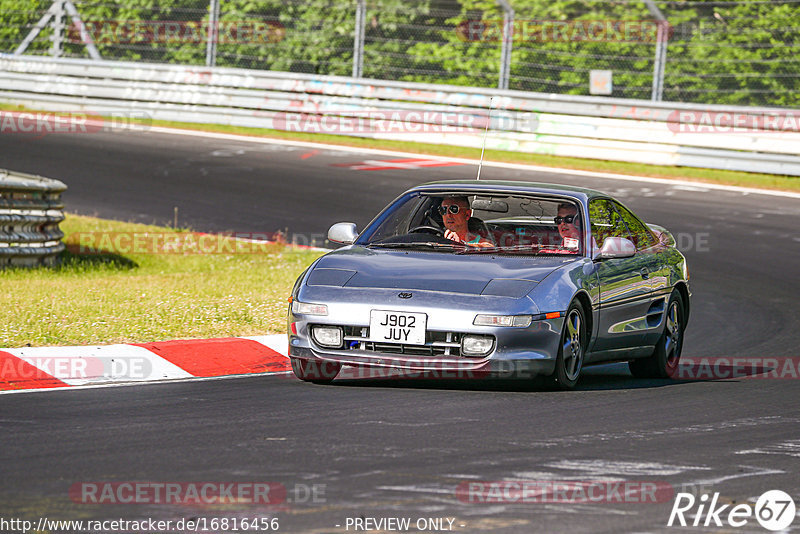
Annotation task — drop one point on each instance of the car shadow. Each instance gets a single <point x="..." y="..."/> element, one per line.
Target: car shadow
<point x="614" y="376"/>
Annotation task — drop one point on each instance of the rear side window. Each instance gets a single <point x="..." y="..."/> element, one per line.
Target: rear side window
<point x="605" y="221"/>
<point x="641" y="236"/>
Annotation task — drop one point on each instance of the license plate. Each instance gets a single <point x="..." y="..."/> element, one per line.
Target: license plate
<point x="397" y="327"/>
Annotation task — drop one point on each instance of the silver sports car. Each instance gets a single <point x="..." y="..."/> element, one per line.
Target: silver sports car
<point x="493" y="278"/>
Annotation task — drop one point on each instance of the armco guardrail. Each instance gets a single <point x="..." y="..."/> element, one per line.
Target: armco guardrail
<point x="30" y="211"/>
<point x="735" y="138"/>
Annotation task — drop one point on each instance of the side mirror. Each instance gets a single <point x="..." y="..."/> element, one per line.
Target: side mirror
<point x="664" y="236"/>
<point x="343" y="232"/>
<point x="616" y="247"/>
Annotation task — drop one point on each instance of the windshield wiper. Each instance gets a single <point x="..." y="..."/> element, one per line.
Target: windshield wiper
<point x="426" y="244"/>
<point x="494" y="250"/>
<point x="532" y="249"/>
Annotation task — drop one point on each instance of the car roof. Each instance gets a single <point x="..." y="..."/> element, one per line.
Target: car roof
<point x="510" y="186"/>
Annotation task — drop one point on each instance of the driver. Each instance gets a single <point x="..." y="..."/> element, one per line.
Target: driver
<point x="456" y="211"/>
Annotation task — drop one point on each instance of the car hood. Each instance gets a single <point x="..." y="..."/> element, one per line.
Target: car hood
<point x="478" y="274"/>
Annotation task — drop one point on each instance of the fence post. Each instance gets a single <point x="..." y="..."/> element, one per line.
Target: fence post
<point x="508" y="41"/>
<point x="57" y="13"/>
<point x="213" y="33"/>
<point x="358" y="39"/>
<point x="660" y="60"/>
<point x="57" y="48"/>
<point x="86" y="37"/>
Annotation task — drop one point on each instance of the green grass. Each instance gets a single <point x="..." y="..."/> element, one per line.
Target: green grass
<point x="744" y="179"/>
<point x="116" y="294"/>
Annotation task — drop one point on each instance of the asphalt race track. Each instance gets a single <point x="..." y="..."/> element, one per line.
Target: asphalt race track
<point x="379" y="449"/>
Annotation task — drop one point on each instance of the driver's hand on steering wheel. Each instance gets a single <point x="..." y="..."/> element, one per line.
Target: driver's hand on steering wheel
<point x="452" y="236"/>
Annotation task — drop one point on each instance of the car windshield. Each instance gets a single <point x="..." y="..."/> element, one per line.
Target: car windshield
<point x="464" y="223"/>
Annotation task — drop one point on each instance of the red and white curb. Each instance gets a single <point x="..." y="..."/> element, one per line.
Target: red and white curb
<point x="30" y="368"/>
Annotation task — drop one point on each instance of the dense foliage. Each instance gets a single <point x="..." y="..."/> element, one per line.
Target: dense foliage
<point x="742" y="52"/>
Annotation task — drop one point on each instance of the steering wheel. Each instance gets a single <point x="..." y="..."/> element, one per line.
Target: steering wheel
<point x="427" y="228"/>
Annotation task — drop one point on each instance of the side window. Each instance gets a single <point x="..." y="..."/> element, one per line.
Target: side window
<point x="399" y="218"/>
<point x="604" y="221"/>
<point x="641" y="236"/>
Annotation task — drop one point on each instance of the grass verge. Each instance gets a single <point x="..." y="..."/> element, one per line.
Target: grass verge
<point x="744" y="179"/>
<point x="116" y="291"/>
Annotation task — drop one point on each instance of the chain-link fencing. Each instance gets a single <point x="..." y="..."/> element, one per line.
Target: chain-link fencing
<point x="727" y="52"/>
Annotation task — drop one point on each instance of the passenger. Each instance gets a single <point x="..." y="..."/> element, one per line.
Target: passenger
<point x="456" y="212"/>
<point x="569" y="226"/>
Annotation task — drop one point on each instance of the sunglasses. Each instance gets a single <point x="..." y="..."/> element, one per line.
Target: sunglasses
<point x="568" y="219"/>
<point x="452" y="208"/>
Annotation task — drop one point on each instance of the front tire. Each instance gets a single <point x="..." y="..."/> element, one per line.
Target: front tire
<point x="315" y="371"/>
<point x="664" y="361"/>
<point x="572" y="349"/>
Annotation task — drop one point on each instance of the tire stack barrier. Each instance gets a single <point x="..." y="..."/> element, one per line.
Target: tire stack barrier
<point x="30" y="212"/>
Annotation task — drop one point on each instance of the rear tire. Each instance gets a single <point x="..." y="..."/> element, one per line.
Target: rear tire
<point x="315" y="371"/>
<point x="665" y="358"/>
<point x="572" y="349"/>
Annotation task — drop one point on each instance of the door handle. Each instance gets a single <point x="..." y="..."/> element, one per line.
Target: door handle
<point x="645" y="273"/>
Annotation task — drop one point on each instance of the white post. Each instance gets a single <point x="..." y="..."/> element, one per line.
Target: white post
<point x="660" y="60"/>
<point x="358" y="39"/>
<point x="213" y="33"/>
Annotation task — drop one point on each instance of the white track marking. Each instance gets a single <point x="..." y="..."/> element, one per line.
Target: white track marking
<point x="596" y="468"/>
<point x="466" y="161"/>
<point x="753" y="472"/>
<point x="787" y="448"/>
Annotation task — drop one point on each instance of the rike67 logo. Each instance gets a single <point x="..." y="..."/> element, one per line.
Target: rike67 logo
<point x="774" y="510"/>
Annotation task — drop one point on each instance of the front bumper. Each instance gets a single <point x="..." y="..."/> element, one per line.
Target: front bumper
<point x="517" y="352"/>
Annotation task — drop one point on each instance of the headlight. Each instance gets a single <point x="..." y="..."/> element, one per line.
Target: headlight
<point x="476" y="345"/>
<point x="503" y="320"/>
<point x="327" y="336"/>
<point x="305" y="308"/>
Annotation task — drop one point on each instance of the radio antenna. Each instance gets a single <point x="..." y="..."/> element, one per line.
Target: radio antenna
<point x="485" y="131"/>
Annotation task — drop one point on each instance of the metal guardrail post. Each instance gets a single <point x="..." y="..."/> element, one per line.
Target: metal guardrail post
<point x="57" y="49"/>
<point x="358" y="39"/>
<point x="508" y="41"/>
<point x="660" y="60"/>
<point x="213" y="33"/>
<point x="30" y="211"/>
